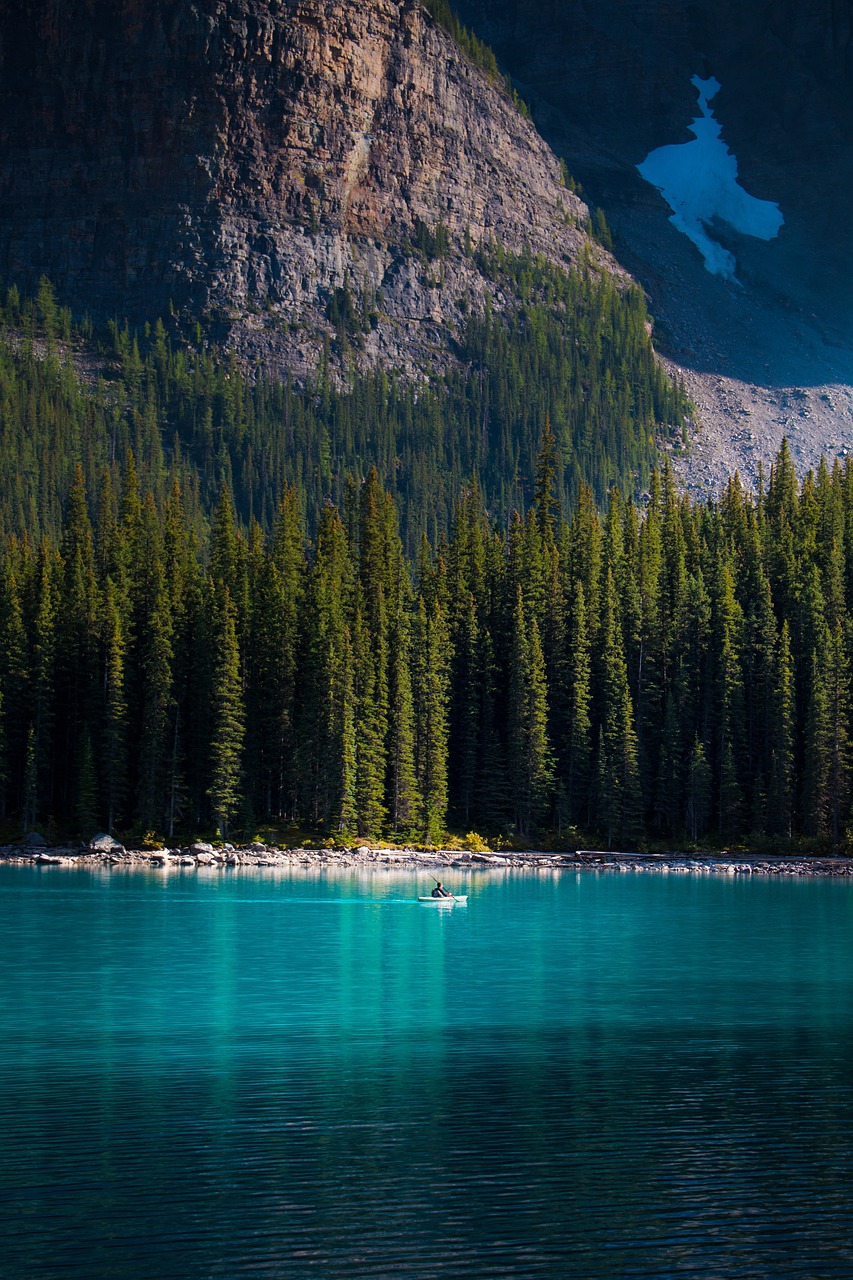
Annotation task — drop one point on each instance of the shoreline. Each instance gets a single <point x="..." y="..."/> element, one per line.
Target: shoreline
<point x="106" y="854"/>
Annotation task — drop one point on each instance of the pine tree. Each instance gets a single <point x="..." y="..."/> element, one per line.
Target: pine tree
<point x="669" y="804"/>
<point x="31" y="789"/>
<point x="466" y="705"/>
<point x="76" y="639"/>
<point x="87" y="788"/>
<point x="225" y="550"/>
<point x="759" y="676"/>
<point x="584" y="556"/>
<point x="780" y="811"/>
<point x="492" y="806"/>
<point x="156" y="709"/>
<point x="649" y="682"/>
<point x="578" y="749"/>
<point x="727" y="623"/>
<point x="326" y="704"/>
<point x="114" y="766"/>
<point x="837" y="679"/>
<point x="780" y="511"/>
<point x="405" y="801"/>
<point x="371" y="727"/>
<point x="227" y="719"/>
<point x="817" y="754"/>
<point x="261" y="676"/>
<point x="618" y="767"/>
<point x="531" y="763"/>
<point x="38" y="788"/>
<point x="14" y="676"/>
<point x="189" y="728"/>
<point x="547" y="506"/>
<point x="108" y="556"/>
<point x="344" y="816"/>
<point x="430" y="687"/>
<point x="699" y="782"/>
<point x="288" y="556"/>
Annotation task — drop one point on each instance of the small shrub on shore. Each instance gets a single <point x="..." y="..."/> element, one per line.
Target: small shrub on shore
<point x="475" y="843"/>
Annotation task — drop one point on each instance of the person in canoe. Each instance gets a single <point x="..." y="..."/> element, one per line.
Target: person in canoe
<point x="440" y="892"/>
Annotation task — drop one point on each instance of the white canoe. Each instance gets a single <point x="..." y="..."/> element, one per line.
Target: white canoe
<point x="457" y="897"/>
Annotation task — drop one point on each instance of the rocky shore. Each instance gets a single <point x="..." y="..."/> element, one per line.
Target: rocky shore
<point x="104" y="852"/>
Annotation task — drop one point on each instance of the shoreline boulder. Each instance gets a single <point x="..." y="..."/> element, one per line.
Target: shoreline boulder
<point x="103" y="843"/>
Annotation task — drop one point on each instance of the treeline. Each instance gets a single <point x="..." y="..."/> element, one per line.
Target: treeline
<point x="571" y="349"/>
<point x="680" y="672"/>
<point x="480" y="53"/>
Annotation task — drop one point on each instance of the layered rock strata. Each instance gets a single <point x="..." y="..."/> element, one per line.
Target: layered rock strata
<point x="244" y="160"/>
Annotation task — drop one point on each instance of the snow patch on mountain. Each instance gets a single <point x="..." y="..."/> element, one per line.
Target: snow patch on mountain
<point x="699" y="182"/>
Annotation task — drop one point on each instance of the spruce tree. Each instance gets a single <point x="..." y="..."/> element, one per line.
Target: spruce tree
<point x="227" y="714"/>
<point x="371" y="728"/>
<point x="404" y="801"/>
<point x="76" y="638"/>
<point x="780" y="811"/>
<point x="466" y="705"/>
<point x="726" y="634"/>
<point x="836" y="676"/>
<point x="530" y="759"/>
<point x="288" y="556"/>
<point x="344" y="815"/>
<point x="156" y="710"/>
<point x="577" y="737"/>
<point x="618" y="766"/>
<point x="546" y="504"/>
<point x="816" y="803"/>
<point x="14" y="677"/>
<point x="225" y="551"/>
<point x="116" y="728"/>
<point x="326" y="702"/>
<point x="699" y="781"/>
<point x="86" y="790"/>
<point x="430" y="688"/>
<point x="38" y="785"/>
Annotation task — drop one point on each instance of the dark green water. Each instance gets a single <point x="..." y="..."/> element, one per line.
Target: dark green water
<point x="604" y="1076"/>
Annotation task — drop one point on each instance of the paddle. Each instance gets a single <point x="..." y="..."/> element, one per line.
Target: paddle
<point x="443" y="890"/>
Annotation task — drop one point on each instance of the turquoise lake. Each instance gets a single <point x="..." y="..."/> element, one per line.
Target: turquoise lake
<point x="603" y="1075"/>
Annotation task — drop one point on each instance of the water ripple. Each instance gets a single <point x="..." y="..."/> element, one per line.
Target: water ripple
<point x="553" y="1085"/>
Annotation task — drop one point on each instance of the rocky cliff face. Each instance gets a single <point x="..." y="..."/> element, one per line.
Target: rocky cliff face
<point x="246" y="159"/>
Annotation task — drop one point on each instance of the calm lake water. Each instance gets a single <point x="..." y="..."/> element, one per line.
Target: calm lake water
<point x="599" y="1076"/>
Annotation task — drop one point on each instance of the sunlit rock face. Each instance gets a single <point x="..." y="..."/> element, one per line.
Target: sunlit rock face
<point x="243" y="160"/>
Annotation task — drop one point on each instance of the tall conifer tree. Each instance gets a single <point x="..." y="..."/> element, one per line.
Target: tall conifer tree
<point x="531" y="762"/>
<point x="227" y="714"/>
<point x="431" y="687"/>
<point x="782" y="728"/>
<point x="115" y="707"/>
<point x="618" y="767"/>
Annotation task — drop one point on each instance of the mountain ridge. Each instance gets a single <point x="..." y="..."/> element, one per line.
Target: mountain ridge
<point x="245" y="165"/>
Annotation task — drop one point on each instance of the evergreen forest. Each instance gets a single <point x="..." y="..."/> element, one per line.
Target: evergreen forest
<point x="673" y="671"/>
<point x="570" y="348"/>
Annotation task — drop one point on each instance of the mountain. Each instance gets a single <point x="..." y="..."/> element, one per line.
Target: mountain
<point x="351" y="598"/>
<point x="610" y="82"/>
<point x="268" y="168"/>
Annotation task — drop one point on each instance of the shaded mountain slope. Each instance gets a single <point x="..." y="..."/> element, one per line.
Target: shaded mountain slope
<point x="610" y="82"/>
